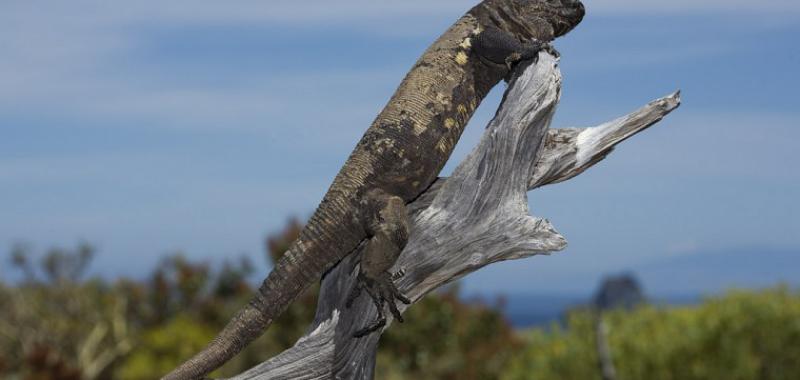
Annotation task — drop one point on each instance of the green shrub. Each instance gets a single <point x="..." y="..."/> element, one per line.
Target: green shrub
<point x="742" y="335"/>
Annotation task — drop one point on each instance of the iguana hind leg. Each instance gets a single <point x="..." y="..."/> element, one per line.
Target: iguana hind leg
<point x="388" y="226"/>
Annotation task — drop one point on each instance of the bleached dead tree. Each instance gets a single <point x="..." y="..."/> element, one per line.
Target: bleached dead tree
<point x="462" y="223"/>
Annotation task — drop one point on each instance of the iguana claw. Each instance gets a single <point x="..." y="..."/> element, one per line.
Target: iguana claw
<point x="382" y="291"/>
<point x="548" y="47"/>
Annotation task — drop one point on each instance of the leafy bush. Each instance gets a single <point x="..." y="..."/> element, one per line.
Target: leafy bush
<point x="57" y="325"/>
<point x="742" y="335"/>
<point x="54" y="324"/>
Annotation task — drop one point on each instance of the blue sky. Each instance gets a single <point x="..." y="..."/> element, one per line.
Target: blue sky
<point x="200" y="126"/>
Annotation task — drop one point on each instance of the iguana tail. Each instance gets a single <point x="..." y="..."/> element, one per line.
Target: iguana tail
<point x="292" y="274"/>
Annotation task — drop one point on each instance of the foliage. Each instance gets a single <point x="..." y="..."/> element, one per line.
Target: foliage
<point x="52" y="327"/>
<point x="55" y="324"/>
<point x="743" y="335"/>
<point x="161" y="347"/>
<point x="444" y="338"/>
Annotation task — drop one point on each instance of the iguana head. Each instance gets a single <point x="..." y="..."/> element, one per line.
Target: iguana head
<point x="560" y="15"/>
<point x="545" y="19"/>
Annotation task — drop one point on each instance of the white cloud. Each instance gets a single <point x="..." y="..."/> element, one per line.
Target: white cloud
<point x="619" y="57"/>
<point x="691" y="5"/>
<point x="683" y="247"/>
<point x="64" y="57"/>
<point x="326" y="12"/>
<point x="70" y="60"/>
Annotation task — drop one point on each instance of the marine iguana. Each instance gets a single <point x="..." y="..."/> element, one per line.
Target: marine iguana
<point x="398" y="157"/>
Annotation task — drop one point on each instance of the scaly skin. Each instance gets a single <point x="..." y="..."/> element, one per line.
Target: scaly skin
<point x="398" y="157"/>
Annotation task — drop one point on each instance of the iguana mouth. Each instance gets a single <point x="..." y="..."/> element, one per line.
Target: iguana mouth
<point x="566" y="17"/>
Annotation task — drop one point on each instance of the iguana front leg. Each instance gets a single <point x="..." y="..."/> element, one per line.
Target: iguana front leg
<point x="500" y="47"/>
<point x="387" y="225"/>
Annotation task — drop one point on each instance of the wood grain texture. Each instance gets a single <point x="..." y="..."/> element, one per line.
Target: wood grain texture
<point x="476" y="217"/>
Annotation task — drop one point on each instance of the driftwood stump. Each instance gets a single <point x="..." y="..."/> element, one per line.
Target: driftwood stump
<point x="462" y="223"/>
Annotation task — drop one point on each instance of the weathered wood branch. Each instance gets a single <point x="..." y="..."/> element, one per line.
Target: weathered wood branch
<point x="605" y="360"/>
<point x="570" y="151"/>
<point x="474" y="218"/>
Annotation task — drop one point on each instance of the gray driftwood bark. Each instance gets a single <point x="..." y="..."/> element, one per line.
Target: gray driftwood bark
<point x="462" y="223"/>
